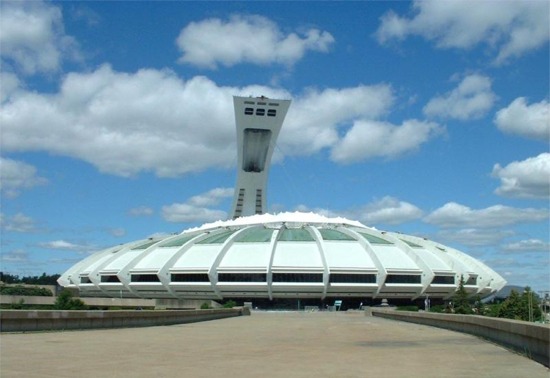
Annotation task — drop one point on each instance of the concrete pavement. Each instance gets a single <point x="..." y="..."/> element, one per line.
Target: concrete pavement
<point x="265" y="344"/>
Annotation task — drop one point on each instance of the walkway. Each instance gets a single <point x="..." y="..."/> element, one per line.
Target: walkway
<point x="284" y="344"/>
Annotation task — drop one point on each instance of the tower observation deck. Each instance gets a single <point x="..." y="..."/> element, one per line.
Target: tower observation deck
<point x="259" y="121"/>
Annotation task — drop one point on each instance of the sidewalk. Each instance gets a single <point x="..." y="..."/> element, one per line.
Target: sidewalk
<point x="265" y="344"/>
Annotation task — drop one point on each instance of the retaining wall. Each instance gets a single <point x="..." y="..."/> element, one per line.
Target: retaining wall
<point x="531" y="339"/>
<point x="41" y="320"/>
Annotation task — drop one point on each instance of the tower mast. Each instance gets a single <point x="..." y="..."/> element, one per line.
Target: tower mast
<point x="258" y="121"/>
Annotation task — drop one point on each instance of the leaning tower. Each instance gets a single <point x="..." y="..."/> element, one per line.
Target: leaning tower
<point x="258" y="120"/>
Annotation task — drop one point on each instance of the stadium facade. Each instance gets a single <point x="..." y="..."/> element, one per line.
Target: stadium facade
<point x="288" y="256"/>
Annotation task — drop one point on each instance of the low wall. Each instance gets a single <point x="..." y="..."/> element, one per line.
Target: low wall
<point x="90" y="301"/>
<point x="41" y="320"/>
<point x="530" y="339"/>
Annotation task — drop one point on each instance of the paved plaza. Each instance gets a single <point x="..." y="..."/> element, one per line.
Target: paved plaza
<point x="265" y="344"/>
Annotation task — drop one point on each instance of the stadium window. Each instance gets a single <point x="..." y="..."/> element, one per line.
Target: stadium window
<point x="242" y="277"/>
<point x="402" y="279"/>
<point x="444" y="280"/>
<point x="110" y="278"/>
<point x="144" y="278"/>
<point x="260" y="112"/>
<point x="85" y="280"/>
<point x="271" y="112"/>
<point x="248" y="111"/>
<point x="297" y="277"/>
<point x="190" y="277"/>
<point x="471" y="281"/>
<point x="352" y="278"/>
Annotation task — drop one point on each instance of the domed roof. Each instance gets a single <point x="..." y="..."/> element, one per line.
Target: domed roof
<point x="287" y="255"/>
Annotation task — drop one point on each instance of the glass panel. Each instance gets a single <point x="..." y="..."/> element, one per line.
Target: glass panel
<point x="189" y="277"/>
<point x="242" y="277"/>
<point x="295" y="234"/>
<point x="297" y="277"/>
<point x="255" y="235"/>
<point x="178" y="242"/>
<point x="444" y="280"/>
<point x="218" y="238"/>
<point x="403" y="278"/>
<point x="374" y="239"/>
<point x="411" y="244"/>
<point x="330" y="234"/>
<point x="352" y="278"/>
<point x="146" y="245"/>
<point x="144" y="278"/>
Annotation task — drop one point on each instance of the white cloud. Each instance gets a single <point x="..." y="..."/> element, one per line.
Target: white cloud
<point x="511" y="27"/>
<point x="17" y="223"/>
<point x="16" y="176"/>
<point x="141" y="211"/>
<point x="474" y="237"/>
<point x="454" y="215"/>
<point x="119" y="121"/>
<point x="196" y="209"/>
<point x="10" y="84"/>
<point x="15" y="256"/>
<point x="527" y="245"/>
<point x="472" y="98"/>
<point x="368" y="139"/>
<point x="387" y="210"/>
<point x="530" y="121"/>
<point x="314" y="118"/>
<point x="529" y="178"/>
<point x="32" y="36"/>
<point x="66" y="246"/>
<point x="246" y="39"/>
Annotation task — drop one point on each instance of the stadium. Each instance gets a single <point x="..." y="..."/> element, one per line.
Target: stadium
<point x="279" y="259"/>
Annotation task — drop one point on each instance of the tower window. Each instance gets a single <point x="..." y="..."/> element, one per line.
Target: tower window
<point x="248" y="111"/>
<point x="260" y="112"/>
<point x="271" y="112"/>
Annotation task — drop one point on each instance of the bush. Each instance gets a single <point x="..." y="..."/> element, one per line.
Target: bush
<point x="27" y="291"/>
<point x="205" y="306"/>
<point x="229" y="304"/>
<point x="65" y="301"/>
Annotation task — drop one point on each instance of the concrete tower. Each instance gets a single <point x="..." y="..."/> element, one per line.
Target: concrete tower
<point x="258" y="120"/>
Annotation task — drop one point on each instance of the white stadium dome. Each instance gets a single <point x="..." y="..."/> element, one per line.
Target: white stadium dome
<point x="269" y="257"/>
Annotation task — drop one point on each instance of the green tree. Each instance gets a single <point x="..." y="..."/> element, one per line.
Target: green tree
<point x="65" y="301"/>
<point x="460" y="299"/>
<point x="521" y="307"/>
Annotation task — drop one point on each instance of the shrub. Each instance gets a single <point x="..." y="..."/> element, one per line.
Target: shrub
<point x="229" y="304"/>
<point x="205" y="306"/>
<point x="65" y="301"/>
<point x="27" y="291"/>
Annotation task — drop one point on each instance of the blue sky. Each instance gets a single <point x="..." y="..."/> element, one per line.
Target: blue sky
<point x="429" y="118"/>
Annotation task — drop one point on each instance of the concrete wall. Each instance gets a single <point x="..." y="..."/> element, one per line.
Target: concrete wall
<point x="90" y="301"/>
<point x="531" y="339"/>
<point x="23" y="320"/>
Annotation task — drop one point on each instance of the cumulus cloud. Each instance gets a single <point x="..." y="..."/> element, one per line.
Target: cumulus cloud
<point x="246" y="39"/>
<point x="64" y="245"/>
<point x="198" y="208"/>
<point x="369" y="139"/>
<point x="151" y="120"/>
<point x="529" y="178"/>
<point x="388" y="210"/>
<point x="17" y="223"/>
<point x="32" y="36"/>
<point x="530" y="121"/>
<point x="472" y="98"/>
<point x="16" y="176"/>
<point x="141" y="211"/>
<point x="511" y="27"/>
<point x="15" y="256"/>
<point x="474" y="237"/>
<point x="527" y="245"/>
<point x="314" y="118"/>
<point x="10" y="84"/>
<point x="454" y="215"/>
